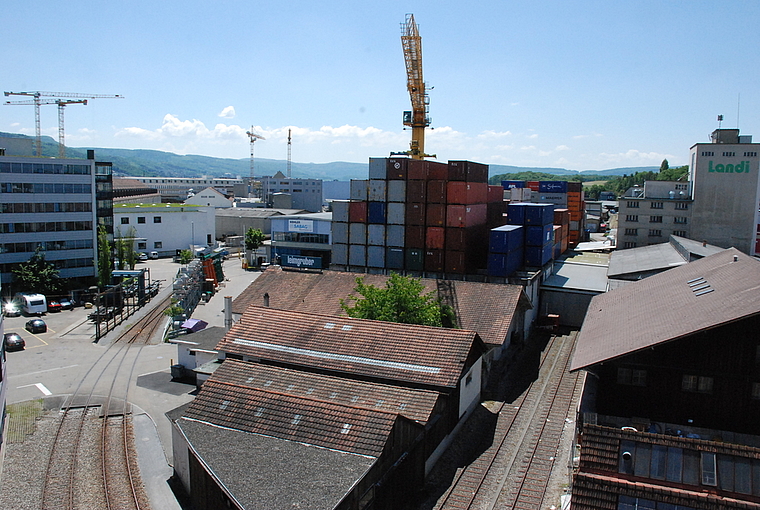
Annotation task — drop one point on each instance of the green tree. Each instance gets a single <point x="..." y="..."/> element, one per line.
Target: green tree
<point x="175" y="309"/>
<point x="664" y="165"/>
<point x="185" y="256"/>
<point x="125" y="248"/>
<point x="254" y="238"/>
<point x="37" y="275"/>
<point x="105" y="262"/>
<point x="401" y="301"/>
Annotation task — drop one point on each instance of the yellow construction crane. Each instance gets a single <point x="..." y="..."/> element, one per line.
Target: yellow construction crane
<point x="253" y="136"/>
<point x="37" y="101"/>
<point x="417" y="118"/>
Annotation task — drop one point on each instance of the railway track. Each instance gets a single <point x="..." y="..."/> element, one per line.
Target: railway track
<point x="94" y="432"/>
<point x="514" y="471"/>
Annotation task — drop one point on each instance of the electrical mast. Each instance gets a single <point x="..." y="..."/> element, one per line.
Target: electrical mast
<point x="253" y="137"/>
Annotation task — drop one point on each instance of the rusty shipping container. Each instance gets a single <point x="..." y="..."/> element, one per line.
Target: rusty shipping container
<point x="357" y="212"/>
<point x="414" y="236"/>
<point x="466" y="193"/>
<point x="468" y="171"/>
<point x="466" y="215"/>
<point x="436" y="192"/>
<point x="437" y="171"/>
<point x="435" y="238"/>
<point x="455" y="262"/>
<point x="434" y="261"/>
<point x="415" y="213"/>
<point x="416" y="191"/>
<point x="396" y="168"/>
<point x="417" y="169"/>
<point x="435" y="215"/>
<point x="495" y="193"/>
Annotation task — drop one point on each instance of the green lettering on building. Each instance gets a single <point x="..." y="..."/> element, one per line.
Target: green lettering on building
<point x="740" y="168"/>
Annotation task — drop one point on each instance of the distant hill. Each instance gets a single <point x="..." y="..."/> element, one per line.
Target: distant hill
<point x="148" y="163"/>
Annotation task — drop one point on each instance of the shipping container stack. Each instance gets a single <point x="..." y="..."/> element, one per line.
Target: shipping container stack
<point x="417" y="216"/>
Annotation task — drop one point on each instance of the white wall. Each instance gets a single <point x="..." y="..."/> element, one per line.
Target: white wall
<point x="469" y="387"/>
<point x="178" y="226"/>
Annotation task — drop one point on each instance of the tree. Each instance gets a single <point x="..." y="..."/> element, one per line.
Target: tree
<point x="105" y="262"/>
<point x="185" y="256"/>
<point x="400" y="301"/>
<point x="125" y="248"/>
<point x="664" y="165"/>
<point x="37" y="275"/>
<point x="254" y="238"/>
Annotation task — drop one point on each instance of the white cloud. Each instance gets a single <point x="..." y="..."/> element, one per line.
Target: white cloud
<point x="533" y="136"/>
<point x="228" y="112"/>
<point x="562" y="148"/>
<point x="490" y="134"/>
<point x="634" y="157"/>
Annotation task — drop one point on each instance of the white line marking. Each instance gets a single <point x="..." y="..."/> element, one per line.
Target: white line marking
<point x="48" y="370"/>
<point x="39" y="386"/>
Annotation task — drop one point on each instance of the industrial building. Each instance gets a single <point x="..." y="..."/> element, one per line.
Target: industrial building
<point x="177" y="189"/>
<point x="301" y="240"/>
<point x="303" y="194"/>
<point x="652" y="213"/>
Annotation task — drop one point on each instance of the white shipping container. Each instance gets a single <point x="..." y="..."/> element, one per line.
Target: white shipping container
<point x="357" y="233"/>
<point x="375" y="256"/>
<point x="376" y="234"/>
<point x="339" y="254"/>
<point x="377" y="190"/>
<point x="394" y="235"/>
<point x="340" y="210"/>
<point x="359" y="189"/>
<point x="339" y="232"/>
<point x="396" y="212"/>
<point x="357" y="255"/>
<point x="396" y="191"/>
<point x="377" y="168"/>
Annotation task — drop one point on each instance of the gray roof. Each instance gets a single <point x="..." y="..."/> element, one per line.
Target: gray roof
<point x="256" y="212"/>
<point x="655" y="257"/>
<point x="324" y="216"/>
<point x="696" y="248"/>
<point x="573" y="276"/>
<point x="706" y="293"/>
<point x="206" y="338"/>
<point x="256" y="471"/>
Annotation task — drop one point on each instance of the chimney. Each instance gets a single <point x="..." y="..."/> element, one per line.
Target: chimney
<point x="266" y="299"/>
<point x="736" y="258"/>
<point x="704" y="243"/>
<point x="227" y="313"/>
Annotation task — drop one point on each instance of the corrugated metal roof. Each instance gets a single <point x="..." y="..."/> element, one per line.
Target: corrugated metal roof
<point x="646" y="258"/>
<point x="664" y="307"/>
<point x="421" y="355"/>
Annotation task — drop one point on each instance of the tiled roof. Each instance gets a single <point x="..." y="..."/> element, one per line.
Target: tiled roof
<point x="487" y="308"/>
<point x="414" y="404"/>
<point x="324" y="424"/>
<point x="679" y="302"/>
<point x="267" y="472"/>
<point x="421" y="356"/>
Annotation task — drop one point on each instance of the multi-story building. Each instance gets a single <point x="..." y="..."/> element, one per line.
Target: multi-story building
<point x="177" y="189"/>
<point x="302" y="240"/>
<point x="55" y="204"/>
<point x="652" y="213"/>
<point x="306" y="194"/>
<point x="726" y="191"/>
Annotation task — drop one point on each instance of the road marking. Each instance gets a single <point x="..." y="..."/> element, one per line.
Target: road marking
<point x="48" y="370"/>
<point x="40" y="387"/>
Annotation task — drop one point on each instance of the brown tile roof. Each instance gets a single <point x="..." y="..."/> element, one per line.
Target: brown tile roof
<point x="324" y="424"/>
<point x="703" y="294"/>
<point x="417" y="405"/>
<point x="420" y="356"/>
<point x="487" y="308"/>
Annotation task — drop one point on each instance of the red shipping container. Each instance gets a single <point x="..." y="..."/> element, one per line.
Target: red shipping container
<point x="437" y="171"/>
<point x="417" y="169"/>
<point x="435" y="238"/>
<point x="532" y="185"/>
<point x="416" y="191"/>
<point x="435" y="215"/>
<point x="357" y="212"/>
<point x="414" y="236"/>
<point x="436" y="192"/>
<point x="415" y="214"/>
<point x="495" y="194"/>
<point x="434" y="261"/>
<point x="455" y="262"/>
<point x="557" y="234"/>
<point x="466" y="215"/>
<point x="574" y="186"/>
<point x="465" y="239"/>
<point x="460" y="192"/>
<point x="561" y="217"/>
<point x="396" y="168"/>
<point x="457" y="171"/>
<point x="468" y="171"/>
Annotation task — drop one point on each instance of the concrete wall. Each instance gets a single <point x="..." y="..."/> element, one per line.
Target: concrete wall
<point x="177" y="228"/>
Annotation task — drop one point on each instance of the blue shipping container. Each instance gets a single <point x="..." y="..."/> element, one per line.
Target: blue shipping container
<point x="375" y="256"/>
<point x="538" y="235"/>
<point x="504" y="264"/>
<point x="516" y="213"/>
<point x="552" y="187"/>
<point x="394" y="258"/>
<point x="376" y="212"/>
<point x="505" y="238"/>
<point x="537" y="256"/>
<point x="512" y="184"/>
<point x="538" y="214"/>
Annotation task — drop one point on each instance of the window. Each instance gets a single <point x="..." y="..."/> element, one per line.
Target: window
<point x="682" y="206"/>
<point x="141" y="219"/>
<point x="708" y="153"/>
<point x="158" y="245"/>
<point x="156" y="219"/>
<point x="698" y="384"/>
<point x="125" y="221"/>
<point x="750" y="154"/>
<point x="729" y="154"/>
<point x="709" y="470"/>
<point x="653" y="232"/>
<point x="633" y="205"/>
<point x="656" y="205"/>
<point x="682" y="187"/>
<point x="629" y="244"/>
<point x="632" y="377"/>
<point x="655" y="219"/>
<point x="632" y="217"/>
<point x="680" y="220"/>
<point x="142" y="245"/>
<point x="680" y="233"/>
<point x="631" y="231"/>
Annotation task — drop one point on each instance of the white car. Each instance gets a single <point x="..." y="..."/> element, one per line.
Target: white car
<point x="142" y="256"/>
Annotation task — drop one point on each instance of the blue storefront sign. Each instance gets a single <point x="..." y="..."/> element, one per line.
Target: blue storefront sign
<point x="301" y="261"/>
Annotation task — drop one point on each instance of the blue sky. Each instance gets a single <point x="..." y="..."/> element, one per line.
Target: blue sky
<point x="576" y="84"/>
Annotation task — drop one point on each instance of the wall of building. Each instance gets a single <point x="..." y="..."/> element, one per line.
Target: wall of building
<point x="651" y="214"/>
<point x="176" y="188"/>
<point x="306" y="193"/>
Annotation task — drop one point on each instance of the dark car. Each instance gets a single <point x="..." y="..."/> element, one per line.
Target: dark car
<point x="13" y="342"/>
<point x="54" y="306"/>
<point x="36" y="326"/>
<point x="66" y="304"/>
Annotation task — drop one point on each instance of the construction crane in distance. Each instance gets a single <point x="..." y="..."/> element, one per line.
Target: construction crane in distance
<point x="289" y="145"/>
<point x="37" y="101"/>
<point x="417" y="118"/>
<point x="253" y="137"/>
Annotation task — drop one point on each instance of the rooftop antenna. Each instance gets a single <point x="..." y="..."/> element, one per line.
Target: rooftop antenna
<point x="720" y="120"/>
<point x="288" y="153"/>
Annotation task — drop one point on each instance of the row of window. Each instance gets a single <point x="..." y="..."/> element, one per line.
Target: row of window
<point x="69" y="244"/>
<point x="652" y="233"/>
<point x="689" y="382"/>
<point x="140" y="219"/>
<point x="300" y="237"/>
<point x="634" y="218"/>
<point x="51" y="207"/>
<point x="730" y="473"/>
<point x="659" y="205"/>
<point x="157" y="245"/>
<point x="59" y="264"/>
<point x="42" y="226"/>
<point x="43" y="168"/>
<point x="38" y="187"/>
<point x="730" y="154"/>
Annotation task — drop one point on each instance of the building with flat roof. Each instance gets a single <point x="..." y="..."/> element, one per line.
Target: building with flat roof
<point x="177" y="189"/>
<point x="652" y="213"/>
<point x="305" y="193"/>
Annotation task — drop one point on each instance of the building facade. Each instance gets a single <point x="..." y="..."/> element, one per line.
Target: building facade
<point x="173" y="189"/>
<point x="54" y="204"/>
<point x="652" y="213"/>
<point x="306" y="193"/>
<point x="302" y="240"/>
<point x="726" y="191"/>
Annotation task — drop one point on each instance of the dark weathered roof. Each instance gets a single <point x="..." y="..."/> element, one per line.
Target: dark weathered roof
<point x="263" y="472"/>
<point x="701" y="295"/>
<point x="421" y="356"/>
<point x="487" y="308"/>
<point x="324" y="424"/>
<point x="206" y="338"/>
<point x="414" y="404"/>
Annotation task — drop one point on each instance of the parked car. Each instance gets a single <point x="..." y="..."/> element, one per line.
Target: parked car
<point x="13" y="342"/>
<point x="142" y="256"/>
<point x="11" y="309"/>
<point x="154" y="254"/>
<point x="66" y="304"/>
<point x="53" y="306"/>
<point x="36" y="326"/>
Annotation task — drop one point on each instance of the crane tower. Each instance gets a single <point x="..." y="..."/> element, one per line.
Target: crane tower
<point x="253" y="137"/>
<point x="417" y="118"/>
<point x="37" y="101"/>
